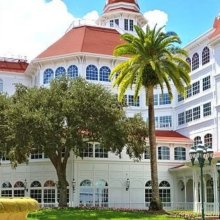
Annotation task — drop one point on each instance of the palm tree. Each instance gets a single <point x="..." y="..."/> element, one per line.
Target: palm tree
<point x="153" y="60"/>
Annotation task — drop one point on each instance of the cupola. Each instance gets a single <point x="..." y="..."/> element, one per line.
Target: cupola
<point x="122" y="15"/>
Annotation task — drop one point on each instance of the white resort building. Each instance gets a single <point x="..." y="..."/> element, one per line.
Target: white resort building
<point x="101" y="178"/>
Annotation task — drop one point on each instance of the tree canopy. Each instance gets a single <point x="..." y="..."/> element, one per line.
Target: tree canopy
<point x="64" y="117"/>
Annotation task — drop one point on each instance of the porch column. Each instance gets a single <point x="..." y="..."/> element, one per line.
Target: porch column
<point x="195" y="191"/>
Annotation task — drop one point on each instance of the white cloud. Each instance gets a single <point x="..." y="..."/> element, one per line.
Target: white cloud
<point x="156" y="17"/>
<point x="28" y="27"/>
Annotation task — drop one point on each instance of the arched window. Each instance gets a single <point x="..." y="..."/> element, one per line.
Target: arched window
<point x="60" y="71"/>
<point x="104" y="74"/>
<point x="48" y="76"/>
<point x="36" y="191"/>
<point x="197" y="140"/>
<point x="179" y="153"/>
<point x="101" y="193"/>
<point x="205" y="56"/>
<point x="6" y="189"/>
<point x="195" y="61"/>
<point x="163" y="153"/>
<point x="188" y="60"/>
<point x="72" y="71"/>
<point x="86" y="193"/>
<point x="19" y="189"/>
<point x="209" y="190"/>
<point x="91" y="72"/>
<point x="49" y="192"/>
<point x="148" y="193"/>
<point x="164" y="191"/>
<point x="208" y="140"/>
<point x="1" y="85"/>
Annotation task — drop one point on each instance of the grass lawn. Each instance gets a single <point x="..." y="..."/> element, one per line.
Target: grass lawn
<point x="85" y="214"/>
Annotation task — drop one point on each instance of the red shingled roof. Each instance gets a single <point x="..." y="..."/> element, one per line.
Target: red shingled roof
<point x="216" y="27"/>
<point x="107" y="7"/>
<point x="13" y="65"/>
<point x="97" y="40"/>
<point x="171" y="136"/>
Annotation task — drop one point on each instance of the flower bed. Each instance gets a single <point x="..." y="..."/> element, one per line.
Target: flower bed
<point x="17" y="208"/>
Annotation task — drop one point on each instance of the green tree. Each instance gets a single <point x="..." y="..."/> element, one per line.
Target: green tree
<point x="153" y="60"/>
<point x="65" y="117"/>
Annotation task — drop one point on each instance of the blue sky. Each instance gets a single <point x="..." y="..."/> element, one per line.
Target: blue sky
<point x="27" y="31"/>
<point x="188" y="18"/>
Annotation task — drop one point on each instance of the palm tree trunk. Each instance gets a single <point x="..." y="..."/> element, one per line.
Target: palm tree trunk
<point x="155" y="203"/>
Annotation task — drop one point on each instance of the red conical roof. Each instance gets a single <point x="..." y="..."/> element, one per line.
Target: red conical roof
<point x="109" y="6"/>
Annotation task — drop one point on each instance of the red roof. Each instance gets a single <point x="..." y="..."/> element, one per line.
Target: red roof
<point x="91" y="39"/>
<point x="216" y="27"/>
<point x="171" y="136"/>
<point x="13" y="65"/>
<point x="107" y="7"/>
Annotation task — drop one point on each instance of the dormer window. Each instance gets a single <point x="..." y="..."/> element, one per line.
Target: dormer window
<point x="114" y="23"/>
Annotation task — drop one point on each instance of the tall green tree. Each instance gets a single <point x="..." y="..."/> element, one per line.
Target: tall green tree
<point x="63" y="118"/>
<point x="153" y="60"/>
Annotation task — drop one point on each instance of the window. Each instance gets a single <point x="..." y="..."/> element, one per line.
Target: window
<point x="36" y="192"/>
<point x="91" y="72"/>
<point x="111" y="23"/>
<point x="147" y="153"/>
<point x="86" y="193"/>
<point x="208" y="140"/>
<point x="131" y="25"/>
<point x="206" y="82"/>
<point x="117" y="22"/>
<point x="197" y="140"/>
<point x="196" y="113"/>
<point x="156" y="99"/>
<point x="60" y="71"/>
<point x="179" y="153"/>
<point x="195" y="61"/>
<point x="49" y="192"/>
<point x="48" y="76"/>
<point x="72" y="71"/>
<point x="188" y="91"/>
<point x="101" y="193"/>
<point x="88" y="151"/>
<point x="188" y="115"/>
<point x="164" y="191"/>
<point x="163" y="153"/>
<point x="207" y="109"/>
<point x="165" y="121"/>
<point x="6" y="189"/>
<point x="180" y="98"/>
<point x="196" y="88"/>
<point x="181" y="118"/>
<point x="210" y="190"/>
<point x="165" y="99"/>
<point x="36" y="154"/>
<point x="1" y="85"/>
<point x="188" y="60"/>
<point x="126" y="24"/>
<point x="132" y="102"/>
<point x="205" y="56"/>
<point x="19" y="189"/>
<point x="148" y="193"/>
<point x="104" y="74"/>
<point x="100" y="152"/>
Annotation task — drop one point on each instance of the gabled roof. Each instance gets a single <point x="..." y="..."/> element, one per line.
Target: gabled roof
<point x="171" y="136"/>
<point x="13" y="65"/>
<point x="89" y="39"/>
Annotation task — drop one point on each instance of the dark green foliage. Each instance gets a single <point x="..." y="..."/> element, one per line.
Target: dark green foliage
<point x="65" y="117"/>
